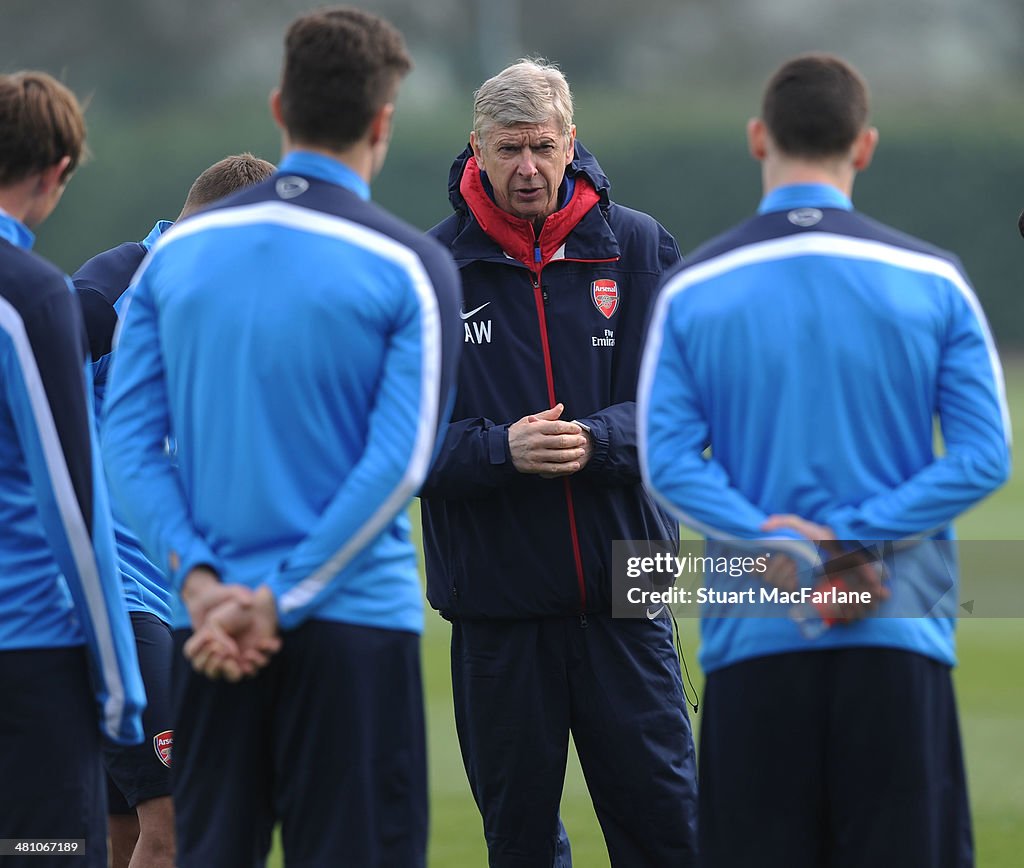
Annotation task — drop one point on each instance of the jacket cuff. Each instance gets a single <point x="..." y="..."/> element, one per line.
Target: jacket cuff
<point x="841" y="523"/>
<point x="497" y="445"/>
<point x="198" y="554"/>
<point x="286" y="620"/>
<point x="597" y="430"/>
<point x="794" y="544"/>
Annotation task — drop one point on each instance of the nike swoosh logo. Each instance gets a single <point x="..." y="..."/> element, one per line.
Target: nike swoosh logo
<point x="475" y="310"/>
<point x="652" y="615"/>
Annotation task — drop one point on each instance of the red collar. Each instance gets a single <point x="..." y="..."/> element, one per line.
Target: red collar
<point x="515" y="235"/>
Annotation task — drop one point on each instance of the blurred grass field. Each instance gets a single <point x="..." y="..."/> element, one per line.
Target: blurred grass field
<point x="989" y="687"/>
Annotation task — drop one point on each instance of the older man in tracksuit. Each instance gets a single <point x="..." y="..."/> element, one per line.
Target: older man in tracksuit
<point x="536" y="477"/>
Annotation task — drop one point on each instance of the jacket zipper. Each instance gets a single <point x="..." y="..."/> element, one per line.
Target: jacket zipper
<point x="540" y="298"/>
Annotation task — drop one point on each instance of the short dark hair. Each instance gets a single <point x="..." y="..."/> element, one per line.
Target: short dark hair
<point x="341" y="66"/>
<point x="41" y="122"/>
<point x="815" y="105"/>
<point x="225" y="177"/>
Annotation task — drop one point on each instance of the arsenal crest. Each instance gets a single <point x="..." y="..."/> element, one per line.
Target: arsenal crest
<point x="605" y="294"/>
<point x="162" y="745"/>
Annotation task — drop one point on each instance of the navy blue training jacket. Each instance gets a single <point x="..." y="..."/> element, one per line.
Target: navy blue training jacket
<point x="559" y="318"/>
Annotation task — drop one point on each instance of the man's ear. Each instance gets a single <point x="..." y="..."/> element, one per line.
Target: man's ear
<point x="757" y="139"/>
<point x="53" y="176"/>
<point x="571" y="153"/>
<point x="275" y="107"/>
<point x="380" y="124"/>
<point x="474" y="143"/>
<point x="864" y="148"/>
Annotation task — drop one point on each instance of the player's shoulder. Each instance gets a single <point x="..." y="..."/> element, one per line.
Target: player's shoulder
<point x="321" y="208"/>
<point x="303" y="195"/>
<point x="832" y="229"/>
<point x="100" y="282"/>
<point x="110" y="272"/>
<point x="395" y="239"/>
<point x="435" y="258"/>
<point x="863" y="226"/>
<point x="28" y="280"/>
<point x="38" y="310"/>
<point x="873" y="243"/>
<point x="748" y="233"/>
<point x="424" y="245"/>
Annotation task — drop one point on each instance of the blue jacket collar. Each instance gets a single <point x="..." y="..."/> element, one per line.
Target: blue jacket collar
<point x="159" y="229"/>
<point x="13" y="230"/>
<point x="804" y="196"/>
<point x="326" y="169"/>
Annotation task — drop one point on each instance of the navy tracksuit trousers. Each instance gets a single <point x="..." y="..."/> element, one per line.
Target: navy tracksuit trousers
<point x="521" y="686"/>
<point x="843" y="758"/>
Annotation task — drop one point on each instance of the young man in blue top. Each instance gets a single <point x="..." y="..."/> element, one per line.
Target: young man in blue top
<point x="813" y="348"/>
<point x="141" y="816"/>
<point x="298" y="344"/>
<point x="68" y="668"/>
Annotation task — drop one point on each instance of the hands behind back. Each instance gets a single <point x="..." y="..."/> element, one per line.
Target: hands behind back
<point x="842" y="569"/>
<point x="234" y="627"/>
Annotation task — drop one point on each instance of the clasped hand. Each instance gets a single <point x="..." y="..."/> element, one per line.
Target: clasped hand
<point x="862" y="574"/>
<point x="235" y="629"/>
<point x="545" y="444"/>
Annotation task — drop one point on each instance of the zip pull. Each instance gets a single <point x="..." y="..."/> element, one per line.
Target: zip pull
<point x="535" y="280"/>
<point x="583" y="620"/>
<point x="536" y="274"/>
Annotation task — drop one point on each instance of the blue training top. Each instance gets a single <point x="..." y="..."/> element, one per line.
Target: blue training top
<point x="101" y="283"/>
<point x="812" y="348"/>
<point x="298" y="344"/>
<point x="58" y="572"/>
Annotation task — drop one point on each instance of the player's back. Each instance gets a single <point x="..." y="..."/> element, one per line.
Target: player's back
<point x="300" y="347"/>
<point x="274" y="342"/>
<point x="812" y="348"/>
<point x="829" y="345"/>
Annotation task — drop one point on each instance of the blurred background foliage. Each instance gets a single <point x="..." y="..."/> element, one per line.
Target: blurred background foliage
<point x="663" y="90"/>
